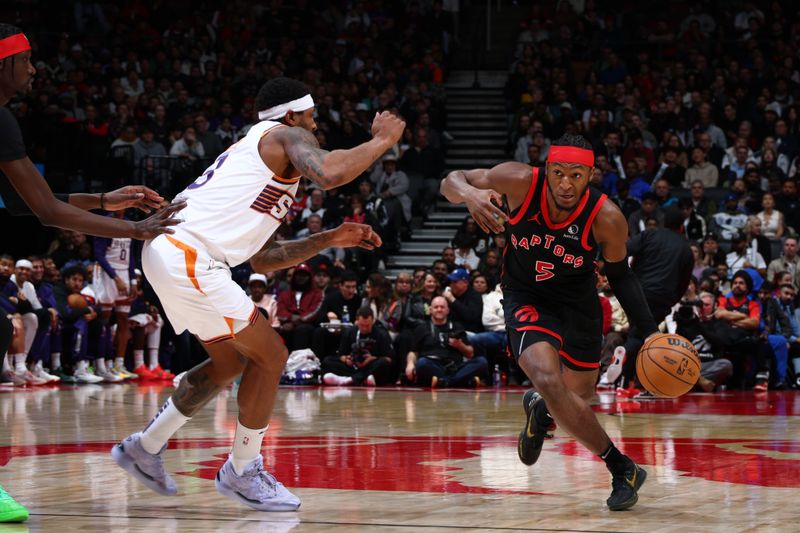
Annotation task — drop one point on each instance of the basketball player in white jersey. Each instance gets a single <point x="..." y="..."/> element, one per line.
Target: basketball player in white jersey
<point x="111" y="281"/>
<point x="232" y="211"/>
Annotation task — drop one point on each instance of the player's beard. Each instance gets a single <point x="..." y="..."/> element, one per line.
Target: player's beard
<point x="561" y="207"/>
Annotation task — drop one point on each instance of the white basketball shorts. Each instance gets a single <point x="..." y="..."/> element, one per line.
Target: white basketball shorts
<point x="197" y="291"/>
<point x="106" y="290"/>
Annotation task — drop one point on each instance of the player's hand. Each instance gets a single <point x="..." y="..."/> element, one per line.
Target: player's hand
<point x="484" y="206"/>
<point x="121" y="287"/>
<point x="91" y="315"/>
<point x="158" y="223"/>
<point x="350" y="234"/>
<point x="368" y="358"/>
<point x="137" y="196"/>
<point x="411" y="372"/>
<point x="388" y="127"/>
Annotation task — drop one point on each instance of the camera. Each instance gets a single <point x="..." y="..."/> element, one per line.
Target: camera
<point x="686" y="311"/>
<point x="361" y="349"/>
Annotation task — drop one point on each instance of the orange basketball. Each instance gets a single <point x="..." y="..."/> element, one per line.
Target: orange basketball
<point x="668" y="365"/>
<point x="77" y="301"/>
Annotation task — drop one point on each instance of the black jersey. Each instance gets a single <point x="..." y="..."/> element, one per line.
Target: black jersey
<point x="547" y="259"/>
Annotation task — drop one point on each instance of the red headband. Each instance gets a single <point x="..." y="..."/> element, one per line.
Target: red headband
<point x="14" y="44"/>
<point x="570" y="154"/>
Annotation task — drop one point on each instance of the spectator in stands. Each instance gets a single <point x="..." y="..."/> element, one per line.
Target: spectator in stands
<point x="490" y="267"/>
<point x="126" y="138"/>
<point x="701" y="170"/>
<point x="298" y="309"/>
<point x="469" y="229"/>
<point x="188" y="146"/>
<point x="736" y="166"/>
<point x="365" y="355"/>
<point x="337" y="307"/>
<point x="378" y="296"/>
<point x="699" y="266"/>
<point x="788" y="203"/>
<point x="776" y="329"/>
<point x="316" y="200"/>
<point x="427" y="162"/>
<point x="772" y="226"/>
<point x="739" y="319"/>
<point x="670" y="170"/>
<point x="146" y="146"/>
<point x="744" y="256"/>
<point x="636" y="222"/>
<point x="392" y="187"/>
<point x="756" y="242"/>
<point x="266" y="303"/>
<point x="691" y="321"/>
<point x="322" y="277"/>
<point x="662" y="190"/>
<point x="440" y="355"/>
<point x="212" y="144"/>
<point x="465" y="255"/>
<point x="466" y="305"/>
<point x="624" y="201"/>
<point x="492" y="339"/>
<point x="702" y="205"/>
<point x="714" y="152"/>
<point x="729" y="223"/>
<point x="789" y="262"/>
<point x="694" y="226"/>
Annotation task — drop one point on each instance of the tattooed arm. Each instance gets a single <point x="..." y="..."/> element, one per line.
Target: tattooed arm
<point x="279" y="255"/>
<point x="332" y="169"/>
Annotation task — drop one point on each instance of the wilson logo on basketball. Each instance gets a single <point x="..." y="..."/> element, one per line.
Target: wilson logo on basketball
<point x="526" y="313"/>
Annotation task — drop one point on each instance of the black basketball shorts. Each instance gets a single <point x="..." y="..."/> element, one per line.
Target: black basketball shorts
<point x="573" y="326"/>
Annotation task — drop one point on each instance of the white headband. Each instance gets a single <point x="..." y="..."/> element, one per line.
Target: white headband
<point x="24" y="263"/>
<point x="301" y="104"/>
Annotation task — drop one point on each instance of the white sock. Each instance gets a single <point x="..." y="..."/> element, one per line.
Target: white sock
<point x="19" y="362"/>
<point x="119" y="362"/>
<point x="6" y="364"/>
<point x="167" y="421"/>
<point x="246" y="446"/>
<point x="152" y="357"/>
<point x="82" y="366"/>
<point x="100" y="365"/>
<point x="138" y="358"/>
<point x="55" y="360"/>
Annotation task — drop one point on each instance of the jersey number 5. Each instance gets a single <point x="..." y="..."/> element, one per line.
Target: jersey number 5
<point x="544" y="270"/>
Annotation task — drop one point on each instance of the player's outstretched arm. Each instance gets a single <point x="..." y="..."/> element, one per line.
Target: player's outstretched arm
<point x="482" y="191"/>
<point x="332" y="169"/>
<point x="278" y="255"/>
<point x="611" y="231"/>
<point x="51" y="211"/>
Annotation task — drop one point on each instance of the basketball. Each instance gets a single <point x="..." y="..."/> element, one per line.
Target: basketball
<point x="668" y="365"/>
<point x="77" y="301"/>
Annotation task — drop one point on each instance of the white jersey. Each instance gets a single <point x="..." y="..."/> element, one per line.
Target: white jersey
<point x="118" y="254"/>
<point x="238" y="202"/>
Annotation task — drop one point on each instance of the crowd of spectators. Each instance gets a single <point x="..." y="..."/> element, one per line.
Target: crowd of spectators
<point x="134" y="92"/>
<point x="692" y="105"/>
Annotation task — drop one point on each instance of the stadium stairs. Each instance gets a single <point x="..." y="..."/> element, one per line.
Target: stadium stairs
<point x="477" y="122"/>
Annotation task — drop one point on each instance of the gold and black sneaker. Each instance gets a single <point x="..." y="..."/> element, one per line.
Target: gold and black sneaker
<point x="625" y="487"/>
<point x="532" y="436"/>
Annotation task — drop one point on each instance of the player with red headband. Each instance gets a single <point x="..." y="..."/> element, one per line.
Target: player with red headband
<point x="24" y="190"/>
<point x="556" y="227"/>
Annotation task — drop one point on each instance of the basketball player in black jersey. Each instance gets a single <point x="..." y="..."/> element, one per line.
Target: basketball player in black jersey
<point x="556" y="226"/>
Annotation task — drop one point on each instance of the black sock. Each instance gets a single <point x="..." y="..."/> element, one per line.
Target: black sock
<point x="616" y="462"/>
<point x="540" y="414"/>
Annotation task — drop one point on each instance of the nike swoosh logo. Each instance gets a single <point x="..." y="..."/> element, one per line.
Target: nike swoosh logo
<point x="632" y="481"/>
<point x="531" y="423"/>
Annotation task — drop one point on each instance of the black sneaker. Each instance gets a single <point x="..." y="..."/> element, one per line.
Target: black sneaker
<point x="532" y="436"/>
<point x="625" y="487"/>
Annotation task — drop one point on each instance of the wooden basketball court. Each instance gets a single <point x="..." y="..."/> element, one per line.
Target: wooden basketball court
<point x="385" y="460"/>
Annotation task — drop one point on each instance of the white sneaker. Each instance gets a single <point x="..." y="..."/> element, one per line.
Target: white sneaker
<point x="30" y="379"/>
<point x="177" y="379"/>
<point x="332" y="379"/>
<point x="255" y="488"/>
<point x="84" y="376"/>
<point x="146" y="467"/>
<point x="108" y="376"/>
<point x="122" y="372"/>
<point x="41" y="373"/>
<point x="370" y="381"/>
<point x="614" y="370"/>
